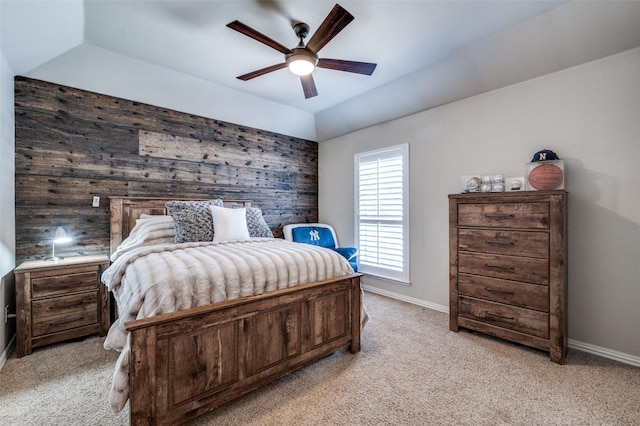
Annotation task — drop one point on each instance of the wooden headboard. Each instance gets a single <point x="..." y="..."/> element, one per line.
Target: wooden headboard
<point x="125" y="211"/>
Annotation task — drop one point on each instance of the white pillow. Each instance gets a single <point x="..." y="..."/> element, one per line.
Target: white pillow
<point x="229" y="224"/>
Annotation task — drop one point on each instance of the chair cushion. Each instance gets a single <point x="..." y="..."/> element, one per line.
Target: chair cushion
<point x="315" y="235"/>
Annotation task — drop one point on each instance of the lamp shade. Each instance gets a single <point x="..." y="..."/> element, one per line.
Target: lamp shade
<point x="61" y="236"/>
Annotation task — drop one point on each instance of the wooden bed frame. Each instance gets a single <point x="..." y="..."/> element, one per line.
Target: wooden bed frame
<point x="186" y="363"/>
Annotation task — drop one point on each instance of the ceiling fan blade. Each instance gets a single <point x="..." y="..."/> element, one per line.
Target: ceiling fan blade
<point x="335" y="22"/>
<point x="348" y="66"/>
<point x="256" y="35"/>
<point x="258" y="73"/>
<point x="309" y="86"/>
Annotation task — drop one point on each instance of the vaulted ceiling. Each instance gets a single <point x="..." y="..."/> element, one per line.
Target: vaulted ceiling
<point x="428" y="53"/>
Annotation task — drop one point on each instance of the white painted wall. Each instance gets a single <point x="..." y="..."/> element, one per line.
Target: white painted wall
<point x="590" y="116"/>
<point x="7" y="202"/>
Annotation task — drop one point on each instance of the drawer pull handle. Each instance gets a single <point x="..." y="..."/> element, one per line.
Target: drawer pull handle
<point x="56" y="285"/>
<point x="489" y="315"/>
<point x="495" y="290"/>
<point x="509" y="269"/>
<point x="499" y="216"/>
<point x="74" y="319"/>
<point x="66" y="306"/>
<point x="501" y="242"/>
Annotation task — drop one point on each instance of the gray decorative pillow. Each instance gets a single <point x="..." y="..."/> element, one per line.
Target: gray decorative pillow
<point x="256" y="224"/>
<point x="193" y="219"/>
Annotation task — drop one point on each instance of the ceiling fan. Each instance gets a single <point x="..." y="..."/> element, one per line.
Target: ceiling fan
<point x="302" y="60"/>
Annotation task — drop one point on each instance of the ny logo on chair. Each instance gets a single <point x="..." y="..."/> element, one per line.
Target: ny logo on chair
<point x="320" y="234"/>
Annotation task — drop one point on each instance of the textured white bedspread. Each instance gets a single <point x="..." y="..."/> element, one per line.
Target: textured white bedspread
<point x="165" y="278"/>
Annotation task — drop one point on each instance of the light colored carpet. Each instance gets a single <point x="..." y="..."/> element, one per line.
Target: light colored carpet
<point x="412" y="371"/>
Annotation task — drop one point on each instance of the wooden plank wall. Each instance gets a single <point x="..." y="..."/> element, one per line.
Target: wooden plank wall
<point x="73" y="144"/>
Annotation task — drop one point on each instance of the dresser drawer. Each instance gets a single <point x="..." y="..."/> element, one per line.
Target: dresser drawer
<point x="63" y="284"/>
<point x="64" y="313"/>
<point x="504" y="215"/>
<point x="512" y="268"/>
<point x="510" y="317"/>
<point x="514" y="243"/>
<point x="524" y="295"/>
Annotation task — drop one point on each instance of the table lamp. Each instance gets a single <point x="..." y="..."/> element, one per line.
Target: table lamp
<point x="59" y="237"/>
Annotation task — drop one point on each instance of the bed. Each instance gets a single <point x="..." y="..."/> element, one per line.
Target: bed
<point x="182" y="364"/>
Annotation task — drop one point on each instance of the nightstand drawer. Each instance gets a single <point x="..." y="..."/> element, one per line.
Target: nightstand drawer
<point x="63" y="284"/>
<point x="514" y="243"/>
<point x="504" y="215"/>
<point x="518" y="319"/>
<point x="63" y="313"/>
<point x="524" y="295"/>
<point x="512" y="268"/>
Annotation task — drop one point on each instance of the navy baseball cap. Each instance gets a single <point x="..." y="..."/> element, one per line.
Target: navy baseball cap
<point x="544" y="155"/>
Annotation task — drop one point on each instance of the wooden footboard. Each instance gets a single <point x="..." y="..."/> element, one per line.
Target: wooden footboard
<point x="186" y="363"/>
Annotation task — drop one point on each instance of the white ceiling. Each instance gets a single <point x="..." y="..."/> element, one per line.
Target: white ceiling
<point x="428" y="52"/>
<point x="401" y="37"/>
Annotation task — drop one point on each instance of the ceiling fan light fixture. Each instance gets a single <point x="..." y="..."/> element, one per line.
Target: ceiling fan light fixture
<point x="301" y="62"/>
<point x="303" y="59"/>
<point x="301" y="67"/>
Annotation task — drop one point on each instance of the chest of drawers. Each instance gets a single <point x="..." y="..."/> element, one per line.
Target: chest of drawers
<point x="60" y="300"/>
<point x="508" y="267"/>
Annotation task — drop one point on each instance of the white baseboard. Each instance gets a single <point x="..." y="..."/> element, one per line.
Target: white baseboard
<point x="604" y="352"/>
<point x="407" y="299"/>
<point x="572" y="344"/>
<point x="7" y="351"/>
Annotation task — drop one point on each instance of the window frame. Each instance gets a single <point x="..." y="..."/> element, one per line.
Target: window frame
<point x="401" y="276"/>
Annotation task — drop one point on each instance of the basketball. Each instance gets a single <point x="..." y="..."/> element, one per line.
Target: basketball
<point x="545" y="177"/>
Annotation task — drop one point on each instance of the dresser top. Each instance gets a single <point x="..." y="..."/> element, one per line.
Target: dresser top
<point x="67" y="261"/>
<point x="507" y="195"/>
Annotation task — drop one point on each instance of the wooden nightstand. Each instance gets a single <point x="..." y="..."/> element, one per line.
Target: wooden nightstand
<point x="60" y="300"/>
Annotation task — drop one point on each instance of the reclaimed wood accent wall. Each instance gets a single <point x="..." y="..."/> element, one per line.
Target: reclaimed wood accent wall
<point x="72" y="145"/>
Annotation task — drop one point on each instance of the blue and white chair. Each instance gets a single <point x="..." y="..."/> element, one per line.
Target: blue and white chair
<point x="320" y="234"/>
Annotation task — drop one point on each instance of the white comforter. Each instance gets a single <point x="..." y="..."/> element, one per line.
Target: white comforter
<point x="158" y="279"/>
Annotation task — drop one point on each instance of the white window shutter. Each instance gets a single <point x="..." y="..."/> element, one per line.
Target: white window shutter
<point x="382" y="212"/>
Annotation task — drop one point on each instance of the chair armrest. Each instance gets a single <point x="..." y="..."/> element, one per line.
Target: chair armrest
<point x="347" y="252"/>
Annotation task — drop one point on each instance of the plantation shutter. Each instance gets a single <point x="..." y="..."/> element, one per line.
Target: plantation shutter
<point x="382" y="213"/>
